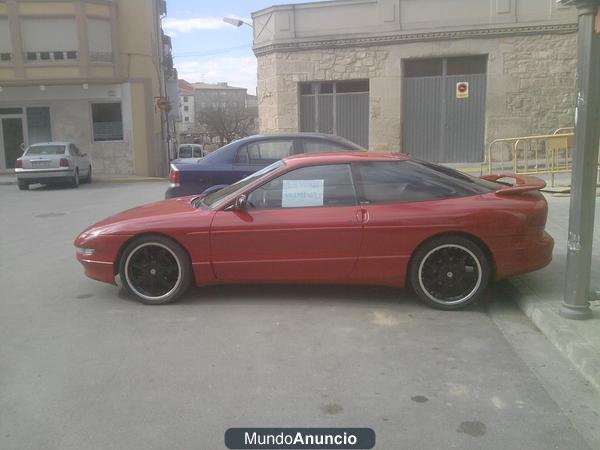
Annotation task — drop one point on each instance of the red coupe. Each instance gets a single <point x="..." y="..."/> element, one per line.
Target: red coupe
<point x="347" y="218"/>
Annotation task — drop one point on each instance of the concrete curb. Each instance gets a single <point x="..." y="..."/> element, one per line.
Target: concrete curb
<point x="100" y="179"/>
<point x="560" y="332"/>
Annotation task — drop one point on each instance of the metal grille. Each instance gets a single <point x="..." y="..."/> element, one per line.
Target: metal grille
<point x="344" y="114"/>
<point x="422" y="118"/>
<point x="437" y="125"/>
<point x="353" y="117"/>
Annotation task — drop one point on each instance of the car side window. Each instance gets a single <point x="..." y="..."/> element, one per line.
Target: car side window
<point x="401" y="181"/>
<point x="265" y="152"/>
<point x="73" y="150"/>
<point x="315" y="186"/>
<point x="317" y="146"/>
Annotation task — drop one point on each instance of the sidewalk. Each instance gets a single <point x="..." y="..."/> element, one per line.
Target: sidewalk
<point x="10" y="179"/>
<point x="540" y="294"/>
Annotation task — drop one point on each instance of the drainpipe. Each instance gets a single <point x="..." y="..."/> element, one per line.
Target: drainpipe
<point x="576" y="303"/>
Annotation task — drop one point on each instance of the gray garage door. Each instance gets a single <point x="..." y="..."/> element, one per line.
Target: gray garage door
<point x="443" y="111"/>
<point x="336" y="107"/>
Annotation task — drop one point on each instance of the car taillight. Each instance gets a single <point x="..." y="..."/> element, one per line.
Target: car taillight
<point x="64" y="162"/>
<point x="174" y="177"/>
<point x="18" y="164"/>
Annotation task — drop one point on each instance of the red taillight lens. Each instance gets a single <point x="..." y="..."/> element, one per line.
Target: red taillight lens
<point x="18" y="164"/>
<point x="175" y="176"/>
<point x="64" y="162"/>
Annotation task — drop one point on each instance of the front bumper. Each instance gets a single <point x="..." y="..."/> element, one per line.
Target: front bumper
<point x="102" y="265"/>
<point x="45" y="175"/>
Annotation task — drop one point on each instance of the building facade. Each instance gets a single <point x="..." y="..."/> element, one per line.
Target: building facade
<point x="218" y="96"/>
<point x="216" y="112"/>
<point x="187" y="113"/>
<point x="437" y="79"/>
<point x="90" y="72"/>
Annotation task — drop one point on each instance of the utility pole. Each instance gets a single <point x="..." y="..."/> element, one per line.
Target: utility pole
<point x="576" y="304"/>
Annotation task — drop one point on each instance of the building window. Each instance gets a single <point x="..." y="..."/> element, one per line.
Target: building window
<point x="107" y="122"/>
<point x="43" y="37"/>
<point x="336" y="107"/>
<point x="99" y="40"/>
<point x="186" y="108"/>
<point x="185" y="99"/>
<point x="186" y="118"/>
<point x="5" y="42"/>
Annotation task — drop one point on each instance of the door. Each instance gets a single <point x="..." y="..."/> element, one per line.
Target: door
<point x="304" y="225"/>
<point x="443" y="111"/>
<point x="12" y="139"/>
<point x="398" y="197"/>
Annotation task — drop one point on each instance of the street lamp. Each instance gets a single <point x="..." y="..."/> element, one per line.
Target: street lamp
<point x="575" y="304"/>
<point x="236" y="22"/>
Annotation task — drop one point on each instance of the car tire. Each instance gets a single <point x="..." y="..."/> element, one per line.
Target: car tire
<point x="88" y="179"/>
<point x="449" y="272"/>
<point x="155" y="270"/>
<point x="23" y="185"/>
<point x="75" y="179"/>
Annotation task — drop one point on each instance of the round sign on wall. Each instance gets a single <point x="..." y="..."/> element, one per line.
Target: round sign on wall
<point x="462" y="89"/>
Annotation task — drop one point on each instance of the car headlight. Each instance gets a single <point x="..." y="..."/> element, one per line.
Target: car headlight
<point x="86" y="251"/>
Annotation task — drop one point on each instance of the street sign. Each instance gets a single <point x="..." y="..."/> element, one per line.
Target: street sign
<point x="462" y="89"/>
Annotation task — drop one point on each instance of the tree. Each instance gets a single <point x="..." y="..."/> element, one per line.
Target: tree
<point x="226" y="123"/>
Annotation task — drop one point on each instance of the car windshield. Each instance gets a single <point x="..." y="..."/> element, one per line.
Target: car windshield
<point x="46" y="150"/>
<point x="185" y="152"/>
<point x="219" y="197"/>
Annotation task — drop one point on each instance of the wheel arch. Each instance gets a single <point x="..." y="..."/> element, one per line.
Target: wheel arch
<point x="463" y="234"/>
<point x="117" y="262"/>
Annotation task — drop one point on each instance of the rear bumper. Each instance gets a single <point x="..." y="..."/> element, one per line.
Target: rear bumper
<point x="534" y="255"/>
<point x="45" y="175"/>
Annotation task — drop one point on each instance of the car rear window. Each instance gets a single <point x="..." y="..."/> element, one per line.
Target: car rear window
<point x="46" y="150"/>
<point x="413" y="181"/>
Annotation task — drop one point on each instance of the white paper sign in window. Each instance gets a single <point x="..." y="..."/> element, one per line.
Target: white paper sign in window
<point x="299" y="193"/>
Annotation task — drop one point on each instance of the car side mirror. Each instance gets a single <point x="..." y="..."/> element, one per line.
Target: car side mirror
<point x="240" y="203"/>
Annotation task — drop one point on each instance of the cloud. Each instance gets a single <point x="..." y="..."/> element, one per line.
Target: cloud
<point x="194" y="23"/>
<point x="237" y="71"/>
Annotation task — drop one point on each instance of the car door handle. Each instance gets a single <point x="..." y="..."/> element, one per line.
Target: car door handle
<point x="362" y="215"/>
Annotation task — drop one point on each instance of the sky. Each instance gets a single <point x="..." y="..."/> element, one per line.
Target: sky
<point x="207" y="49"/>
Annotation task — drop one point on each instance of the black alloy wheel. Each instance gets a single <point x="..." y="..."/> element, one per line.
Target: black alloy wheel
<point x="155" y="269"/>
<point x="449" y="272"/>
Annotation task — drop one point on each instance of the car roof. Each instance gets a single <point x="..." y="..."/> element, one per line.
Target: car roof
<point x="38" y="144"/>
<point x="302" y="134"/>
<point x="342" y="157"/>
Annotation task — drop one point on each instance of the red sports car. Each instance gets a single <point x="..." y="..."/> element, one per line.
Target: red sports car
<point x="347" y="218"/>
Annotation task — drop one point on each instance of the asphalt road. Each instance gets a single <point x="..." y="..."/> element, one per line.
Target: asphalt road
<point x="84" y="367"/>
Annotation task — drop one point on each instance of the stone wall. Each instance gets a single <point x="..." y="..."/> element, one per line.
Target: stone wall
<point x="71" y="121"/>
<point x="530" y="83"/>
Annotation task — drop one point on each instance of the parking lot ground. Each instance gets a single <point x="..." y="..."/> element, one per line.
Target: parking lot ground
<point x="84" y="367"/>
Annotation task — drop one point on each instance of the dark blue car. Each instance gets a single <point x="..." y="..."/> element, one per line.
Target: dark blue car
<point x="241" y="158"/>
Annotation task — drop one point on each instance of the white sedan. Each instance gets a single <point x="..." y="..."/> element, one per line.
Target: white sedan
<point x="53" y="162"/>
